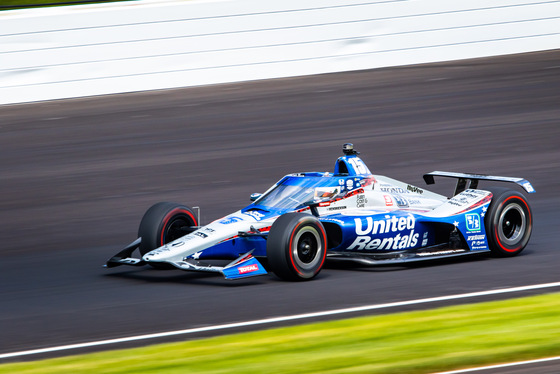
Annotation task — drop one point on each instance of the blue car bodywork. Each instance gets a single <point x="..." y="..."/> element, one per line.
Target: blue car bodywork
<point x="360" y="217"/>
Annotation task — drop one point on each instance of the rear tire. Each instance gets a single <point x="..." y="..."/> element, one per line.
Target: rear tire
<point x="163" y="223"/>
<point x="508" y="221"/>
<point x="296" y="247"/>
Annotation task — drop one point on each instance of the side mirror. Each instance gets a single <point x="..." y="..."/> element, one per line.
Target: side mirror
<point x="255" y="196"/>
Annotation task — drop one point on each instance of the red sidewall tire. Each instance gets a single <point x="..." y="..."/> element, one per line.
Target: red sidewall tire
<point x="161" y="224"/>
<point x="508" y="221"/>
<point x="296" y="247"/>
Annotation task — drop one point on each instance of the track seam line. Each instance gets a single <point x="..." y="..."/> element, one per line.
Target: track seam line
<point x="278" y="319"/>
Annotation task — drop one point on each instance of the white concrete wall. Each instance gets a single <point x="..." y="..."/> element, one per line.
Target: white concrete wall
<point x="75" y="51"/>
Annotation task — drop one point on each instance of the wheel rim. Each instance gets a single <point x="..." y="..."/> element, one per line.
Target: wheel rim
<point x="175" y="229"/>
<point x="307" y="248"/>
<point x="512" y="224"/>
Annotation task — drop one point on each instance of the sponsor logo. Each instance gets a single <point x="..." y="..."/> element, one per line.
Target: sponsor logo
<point x="178" y="244"/>
<point x="479" y="247"/>
<point x="466" y="197"/>
<point x="335" y="220"/>
<point x="440" y="253"/>
<point x="473" y="222"/>
<point x="390" y="189"/>
<point x="201" y="234"/>
<point x="361" y="201"/>
<point x="414" y="189"/>
<point x="229" y="220"/>
<point x="337" y="208"/>
<point x="478" y="193"/>
<point x="248" y="269"/>
<point x="208" y="229"/>
<point x="388" y="200"/>
<point x="389" y="225"/>
<point x="256" y="215"/>
<point x="476" y="237"/>
<point x="401" y="201"/>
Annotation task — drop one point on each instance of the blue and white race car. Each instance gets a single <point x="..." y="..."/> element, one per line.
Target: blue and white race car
<point x="349" y="214"/>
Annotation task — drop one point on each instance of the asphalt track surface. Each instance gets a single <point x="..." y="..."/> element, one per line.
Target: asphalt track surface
<point x="77" y="176"/>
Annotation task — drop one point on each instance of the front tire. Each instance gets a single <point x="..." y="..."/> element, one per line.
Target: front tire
<point x="163" y="223"/>
<point x="509" y="222"/>
<point x="296" y="247"/>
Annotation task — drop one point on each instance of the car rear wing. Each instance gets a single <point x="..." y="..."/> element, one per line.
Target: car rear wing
<point x="465" y="181"/>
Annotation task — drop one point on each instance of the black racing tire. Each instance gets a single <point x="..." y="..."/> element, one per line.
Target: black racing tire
<point x="296" y="246"/>
<point x="163" y="223"/>
<point x="508" y="221"/>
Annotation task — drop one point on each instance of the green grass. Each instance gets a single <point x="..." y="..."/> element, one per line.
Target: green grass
<point x="415" y="342"/>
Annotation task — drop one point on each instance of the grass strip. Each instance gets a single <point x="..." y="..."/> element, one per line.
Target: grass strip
<point x="414" y="342"/>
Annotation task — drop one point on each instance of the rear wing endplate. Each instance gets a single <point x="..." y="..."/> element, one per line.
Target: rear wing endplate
<point x="465" y="181"/>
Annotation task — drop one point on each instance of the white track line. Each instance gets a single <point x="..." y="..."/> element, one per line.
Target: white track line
<point x="278" y="319"/>
<point x="471" y="370"/>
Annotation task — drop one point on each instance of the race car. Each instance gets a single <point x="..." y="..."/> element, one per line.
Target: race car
<point x="348" y="214"/>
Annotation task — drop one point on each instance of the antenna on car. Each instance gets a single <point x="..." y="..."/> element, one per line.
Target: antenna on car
<point x="348" y="149"/>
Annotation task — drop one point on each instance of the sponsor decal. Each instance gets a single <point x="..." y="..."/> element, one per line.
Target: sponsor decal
<point x="466" y="197"/>
<point x="201" y="234"/>
<point x="425" y="239"/>
<point x="481" y="246"/>
<point x="337" y="208"/>
<point x="439" y="253"/>
<point x="178" y="244"/>
<point x="248" y="269"/>
<point x="478" y="193"/>
<point x="473" y="222"/>
<point x="227" y="221"/>
<point x="414" y="189"/>
<point x="476" y="237"/>
<point x="349" y="184"/>
<point x="389" y="189"/>
<point x="335" y="220"/>
<point x="388" y="200"/>
<point x="401" y="201"/>
<point x="209" y="229"/>
<point x="361" y="201"/>
<point x="402" y="229"/>
<point x="255" y="214"/>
